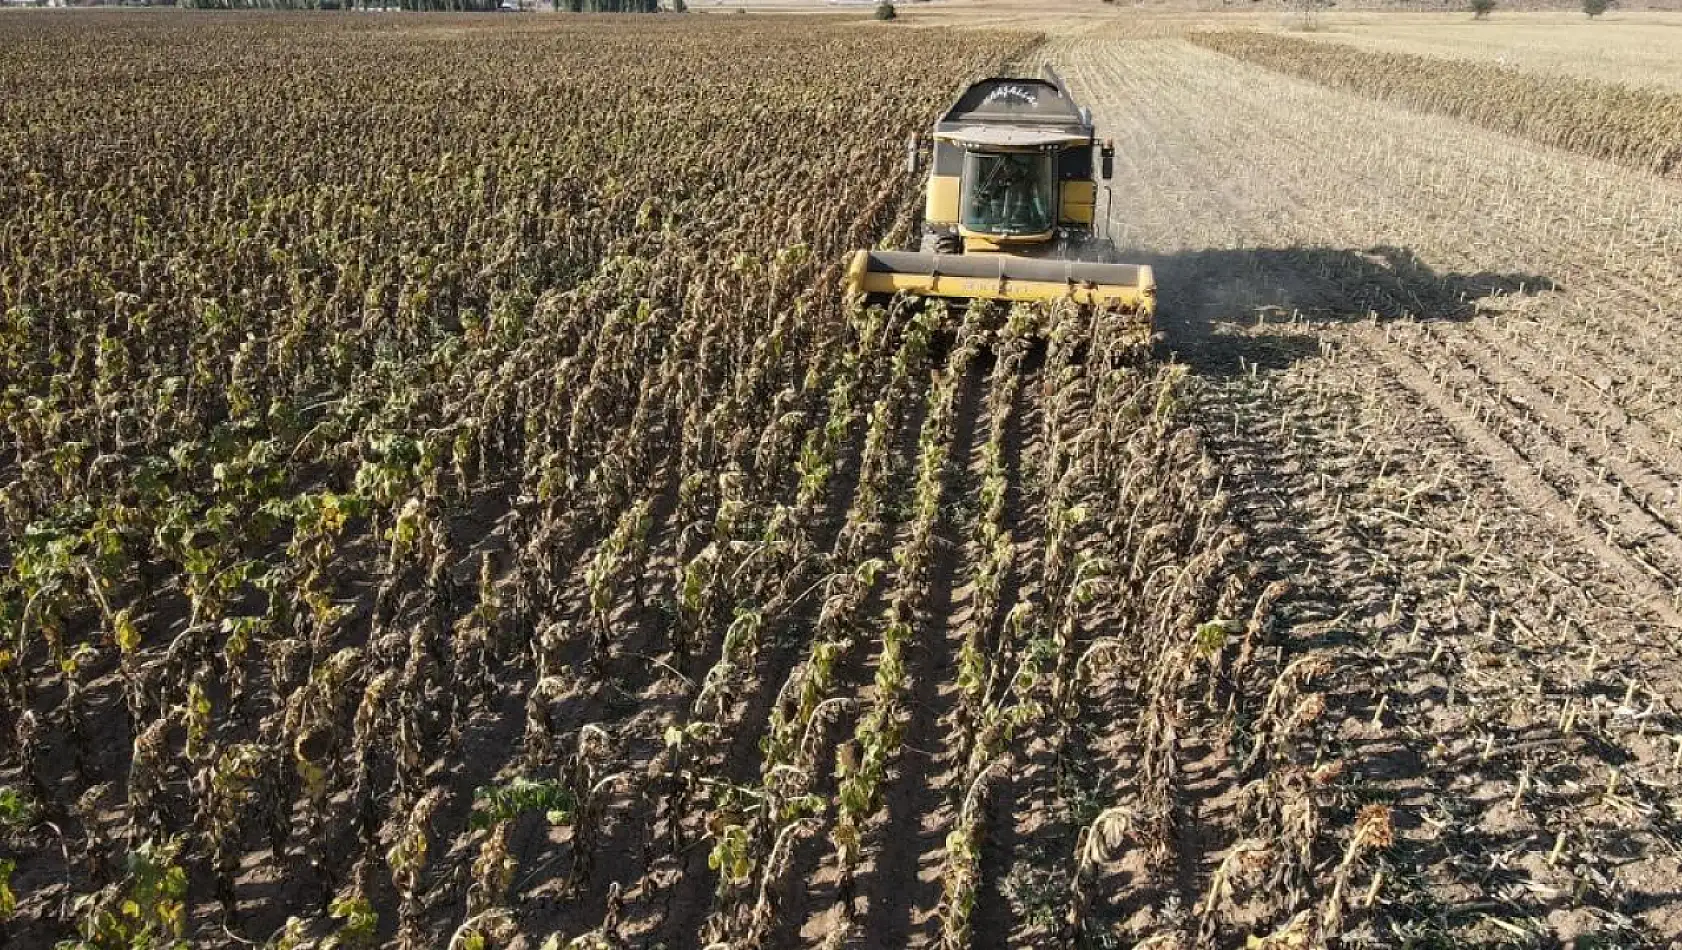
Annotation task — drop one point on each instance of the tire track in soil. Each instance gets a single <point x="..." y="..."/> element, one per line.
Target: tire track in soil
<point x="900" y="883"/>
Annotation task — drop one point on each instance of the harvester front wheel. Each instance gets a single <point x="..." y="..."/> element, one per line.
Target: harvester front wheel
<point x="942" y="242"/>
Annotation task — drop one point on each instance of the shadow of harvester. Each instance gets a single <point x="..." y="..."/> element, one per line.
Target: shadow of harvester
<point x="1202" y="291"/>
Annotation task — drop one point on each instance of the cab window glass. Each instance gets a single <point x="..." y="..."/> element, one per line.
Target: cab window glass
<point x="1008" y="192"/>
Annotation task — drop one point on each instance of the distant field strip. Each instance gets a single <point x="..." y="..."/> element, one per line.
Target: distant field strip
<point x="1635" y="50"/>
<point x="1641" y="128"/>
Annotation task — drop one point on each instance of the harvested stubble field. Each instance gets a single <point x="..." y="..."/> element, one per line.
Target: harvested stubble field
<point x="1628" y="47"/>
<point x="446" y="502"/>
<point x="1638" y="127"/>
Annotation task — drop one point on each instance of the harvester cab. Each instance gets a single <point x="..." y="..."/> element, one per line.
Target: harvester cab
<point x="1011" y="208"/>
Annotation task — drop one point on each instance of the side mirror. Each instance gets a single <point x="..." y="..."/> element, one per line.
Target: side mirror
<point x="1106" y="155"/>
<point x="911" y="155"/>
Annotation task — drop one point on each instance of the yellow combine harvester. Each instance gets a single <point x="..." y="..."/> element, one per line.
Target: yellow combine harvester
<point x="1012" y="208"/>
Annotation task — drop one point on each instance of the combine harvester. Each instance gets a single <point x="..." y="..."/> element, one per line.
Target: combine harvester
<point x="1011" y="210"/>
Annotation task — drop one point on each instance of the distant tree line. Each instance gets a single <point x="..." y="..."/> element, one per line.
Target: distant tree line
<point x="457" y="6"/>
<point x="607" y="6"/>
<point x="461" y="6"/>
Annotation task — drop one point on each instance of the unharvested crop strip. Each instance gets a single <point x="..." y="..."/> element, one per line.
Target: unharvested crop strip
<point x="383" y="454"/>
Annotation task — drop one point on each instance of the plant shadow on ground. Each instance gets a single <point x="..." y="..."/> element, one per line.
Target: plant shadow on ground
<point x="1204" y="293"/>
